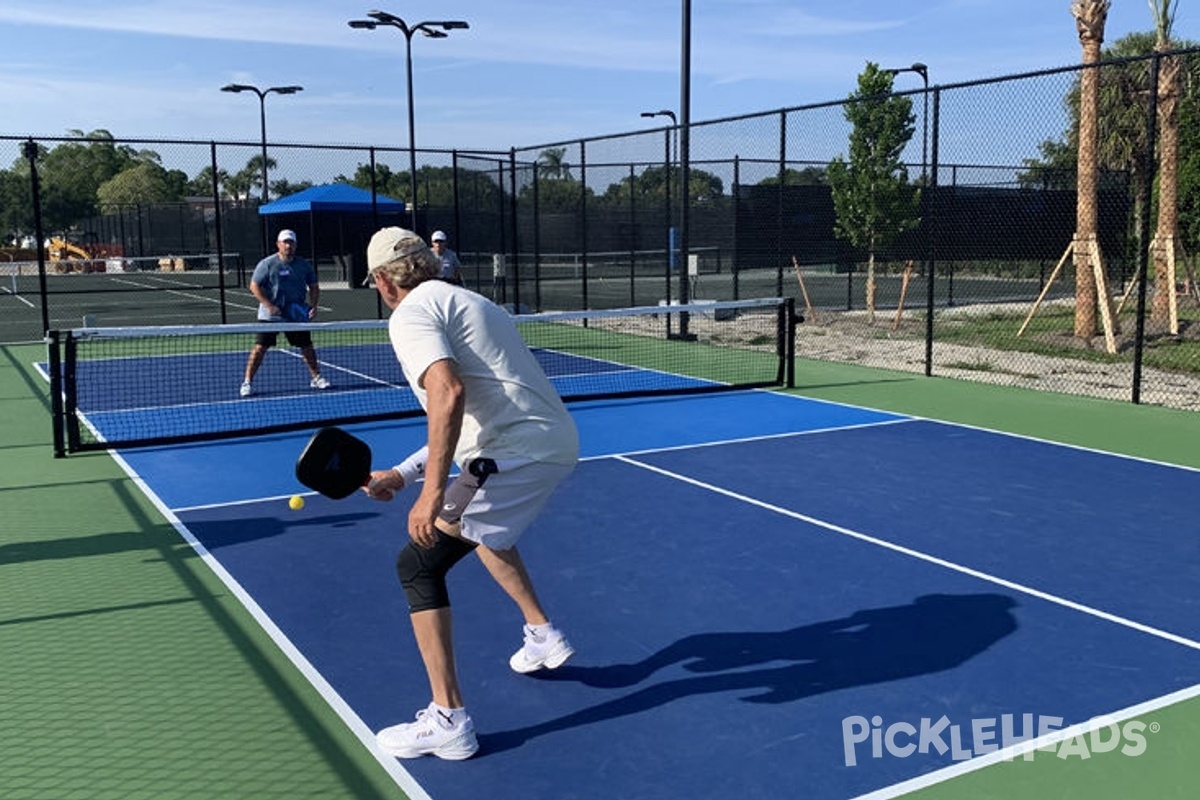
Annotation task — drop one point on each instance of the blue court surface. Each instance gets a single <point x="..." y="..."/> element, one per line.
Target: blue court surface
<point x="769" y="597"/>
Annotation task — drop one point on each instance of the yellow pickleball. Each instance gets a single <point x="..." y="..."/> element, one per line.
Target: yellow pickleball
<point x="296" y="503"/>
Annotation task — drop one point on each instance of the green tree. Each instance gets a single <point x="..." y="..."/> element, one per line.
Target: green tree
<point x="239" y="185"/>
<point x="809" y="176"/>
<point x="1123" y="140"/>
<point x="16" y="206"/>
<point x="651" y="186"/>
<point x="557" y="196"/>
<point x="551" y="165"/>
<point x="872" y="197"/>
<point x="249" y="180"/>
<point x="202" y="186"/>
<point x="387" y="182"/>
<point x="146" y="182"/>
<point x="283" y="187"/>
<point x="72" y="172"/>
<point x="434" y="184"/>
<point x="1055" y="169"/>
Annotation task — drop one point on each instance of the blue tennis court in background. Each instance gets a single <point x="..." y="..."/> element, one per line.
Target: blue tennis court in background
<point x="769" y="597"/>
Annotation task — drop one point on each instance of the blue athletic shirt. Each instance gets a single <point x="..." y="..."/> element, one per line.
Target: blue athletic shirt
<point x="284" y="283"/>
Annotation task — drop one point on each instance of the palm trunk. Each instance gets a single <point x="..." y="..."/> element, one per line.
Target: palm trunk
<point x="1090" y="16"/>
<point x="1162" y="311"/>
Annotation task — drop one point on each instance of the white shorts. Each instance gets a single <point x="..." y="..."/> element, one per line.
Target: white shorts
<point x="509" y="500"/>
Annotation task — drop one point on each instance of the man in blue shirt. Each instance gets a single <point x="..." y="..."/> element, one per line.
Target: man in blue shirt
<point x="281" y="283"/>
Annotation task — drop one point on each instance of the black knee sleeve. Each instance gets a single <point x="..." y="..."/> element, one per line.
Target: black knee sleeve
<point x="423" y="572"/>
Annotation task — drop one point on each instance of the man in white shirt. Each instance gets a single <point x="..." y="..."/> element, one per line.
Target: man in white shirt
<point x="451" y="268"/>
<point x="491" y="409"/>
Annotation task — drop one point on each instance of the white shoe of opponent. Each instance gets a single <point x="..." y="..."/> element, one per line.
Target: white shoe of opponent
<point x="432" y="734"/>
<point x="550" y="650"/>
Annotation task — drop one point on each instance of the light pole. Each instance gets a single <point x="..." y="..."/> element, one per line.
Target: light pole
<point x="434" y="29"/>
<point x="262" y="114"/>
<point x="666" y="112"/>
<point x="927" y="180"/>
<point x="923" y="71"/>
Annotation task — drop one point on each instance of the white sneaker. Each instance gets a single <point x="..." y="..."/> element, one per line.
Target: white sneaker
<point x="319" y="382"/>
<point x="431" y="735"/>
<point x="246" y="389"/>
<point x="550" y="651"/>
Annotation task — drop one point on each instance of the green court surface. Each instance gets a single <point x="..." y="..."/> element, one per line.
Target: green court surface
<point x="130" y="671"/>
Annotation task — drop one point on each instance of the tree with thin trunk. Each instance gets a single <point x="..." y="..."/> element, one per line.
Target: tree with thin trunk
<point x="1090" y="17"/>
<point x="872" y="198"/>
<point x="552" y="165"/>
<point x="1163" y="314"/>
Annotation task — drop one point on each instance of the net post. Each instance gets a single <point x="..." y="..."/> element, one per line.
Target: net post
<point x="71" y="389"/>
<point x="53" y="364"/>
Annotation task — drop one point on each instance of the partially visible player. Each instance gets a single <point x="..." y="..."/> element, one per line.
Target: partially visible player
<point x="492" y="410"/>
<point x="451" y="267"/>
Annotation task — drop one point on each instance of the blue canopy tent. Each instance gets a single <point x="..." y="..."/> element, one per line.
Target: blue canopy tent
<point x="334" y="222"/>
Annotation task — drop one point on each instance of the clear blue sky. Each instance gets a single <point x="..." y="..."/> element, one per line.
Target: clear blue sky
<point x="527" y="72"/>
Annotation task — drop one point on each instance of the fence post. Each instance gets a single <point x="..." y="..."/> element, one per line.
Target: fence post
<point x="1139" y="344"/>
<point x="31" y="153"/>
<point x="216" y="194"/>
<point x="932" y="207"/>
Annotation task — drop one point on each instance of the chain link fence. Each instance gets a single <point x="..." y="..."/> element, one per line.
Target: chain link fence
<point x="983" y="288"/>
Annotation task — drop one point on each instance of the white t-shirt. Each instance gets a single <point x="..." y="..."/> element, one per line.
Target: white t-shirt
<point x="512" y="411"/>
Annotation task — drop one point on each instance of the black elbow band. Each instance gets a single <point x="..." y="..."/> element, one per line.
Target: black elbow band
<point x="423" y="571"/>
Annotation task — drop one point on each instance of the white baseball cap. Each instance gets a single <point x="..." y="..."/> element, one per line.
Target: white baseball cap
<point x="390" y="245"/>
<point x="286" y="236"/>
<point x="438" y="236"/>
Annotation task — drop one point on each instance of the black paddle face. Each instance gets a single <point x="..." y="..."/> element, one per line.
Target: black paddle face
<point x="334" y="463"/>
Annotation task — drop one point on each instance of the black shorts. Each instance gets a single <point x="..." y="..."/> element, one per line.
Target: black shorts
<point x="295" y="338"/>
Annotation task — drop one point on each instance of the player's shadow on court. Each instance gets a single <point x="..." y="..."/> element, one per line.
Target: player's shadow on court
<point x="934" y="633"/>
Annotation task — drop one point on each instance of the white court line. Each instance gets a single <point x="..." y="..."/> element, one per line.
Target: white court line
<point x="18" y="296"/>
<point x="1005" y="754"/>
<point x="760" y="438"/>
<point x="1018" y="750"/>
<point x="796" y="393"/>
<point x="409" y="784"/>
<point x="365" y="735"/>
<point x="917" y="554"/>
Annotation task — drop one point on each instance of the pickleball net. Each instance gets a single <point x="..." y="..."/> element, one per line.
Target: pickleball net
<point x="144" y="386"/>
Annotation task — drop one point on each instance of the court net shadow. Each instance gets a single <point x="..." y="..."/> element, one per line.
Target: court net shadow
<point x="934" y="633"/>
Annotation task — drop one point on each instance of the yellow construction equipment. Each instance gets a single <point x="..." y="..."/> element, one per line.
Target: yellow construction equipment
<point x="65" y="256"/>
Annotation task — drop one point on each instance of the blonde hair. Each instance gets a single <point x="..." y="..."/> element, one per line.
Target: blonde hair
<point x="402" y="258"/>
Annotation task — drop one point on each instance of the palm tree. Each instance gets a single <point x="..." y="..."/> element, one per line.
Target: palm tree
<point x="551" y="165"/>
<point x="1090" y="17"/>
<point x="1164" y="313"/>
